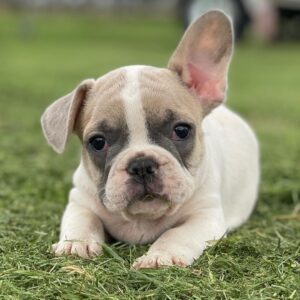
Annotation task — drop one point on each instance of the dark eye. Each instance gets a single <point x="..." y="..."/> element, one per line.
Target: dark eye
<point x="181" y="132"/>
<point x="98" y="143"/>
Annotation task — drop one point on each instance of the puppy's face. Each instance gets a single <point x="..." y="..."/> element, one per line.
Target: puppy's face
<point x="141" y="136"/>
<point x="140" y="126"/>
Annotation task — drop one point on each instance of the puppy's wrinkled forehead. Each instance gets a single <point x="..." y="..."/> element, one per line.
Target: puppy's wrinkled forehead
<point x="135" y="99"/>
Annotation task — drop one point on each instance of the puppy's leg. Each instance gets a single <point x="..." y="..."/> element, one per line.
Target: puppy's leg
<point x="81" y="232"/>
<point x="181" y="245"/>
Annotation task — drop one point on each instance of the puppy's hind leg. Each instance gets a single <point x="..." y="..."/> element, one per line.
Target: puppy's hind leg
<point x="82" y="233"/>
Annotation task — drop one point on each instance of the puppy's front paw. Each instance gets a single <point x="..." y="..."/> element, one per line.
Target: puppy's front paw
<point x="82" y="248"/>
<point x="160" y="259"/>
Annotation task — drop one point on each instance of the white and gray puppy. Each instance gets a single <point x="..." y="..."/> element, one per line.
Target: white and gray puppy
<point x="163" y="160"/>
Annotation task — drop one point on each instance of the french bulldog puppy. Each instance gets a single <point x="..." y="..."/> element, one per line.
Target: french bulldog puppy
<point x="163" y="160"/>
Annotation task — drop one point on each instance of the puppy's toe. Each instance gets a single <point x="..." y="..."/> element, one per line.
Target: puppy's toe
<point x="94" y="248"/>
<point x="84" y="249"/>
<point x="80" y="249"/>
<point x="159" y="259"/>
<point x="62" y="248"/>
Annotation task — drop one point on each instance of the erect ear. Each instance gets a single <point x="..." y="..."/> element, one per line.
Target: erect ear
<point x="59" y="118"/>
<point x="202" y="58"/>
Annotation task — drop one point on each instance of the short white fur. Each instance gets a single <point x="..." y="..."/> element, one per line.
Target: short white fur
<point x="134" y="113"/>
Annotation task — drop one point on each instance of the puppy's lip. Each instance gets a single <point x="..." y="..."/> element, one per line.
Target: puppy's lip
<point x="148" y="197"/>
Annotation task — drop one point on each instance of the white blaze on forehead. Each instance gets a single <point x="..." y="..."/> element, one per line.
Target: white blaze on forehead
<point x="134" y="112"/>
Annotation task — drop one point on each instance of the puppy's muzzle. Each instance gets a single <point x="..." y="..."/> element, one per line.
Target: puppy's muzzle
<point x="142" y="170"/>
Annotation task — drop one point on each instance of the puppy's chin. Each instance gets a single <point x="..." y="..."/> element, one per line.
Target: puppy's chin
<point x="149" y="208"/>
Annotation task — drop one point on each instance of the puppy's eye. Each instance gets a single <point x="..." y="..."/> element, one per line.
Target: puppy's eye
<point x="98" y="143"/>
<point x="181" y="132"/>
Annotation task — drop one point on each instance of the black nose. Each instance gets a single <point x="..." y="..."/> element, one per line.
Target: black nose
<point x="142" y="169"/>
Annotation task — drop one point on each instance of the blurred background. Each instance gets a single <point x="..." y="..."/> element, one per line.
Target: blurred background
<point x="268" y="19"/>
<point x="48" y="46"/>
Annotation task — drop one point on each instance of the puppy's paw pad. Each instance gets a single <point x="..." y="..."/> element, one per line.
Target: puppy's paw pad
<point x="84" y="249"/>
<point x="159" y="259"/>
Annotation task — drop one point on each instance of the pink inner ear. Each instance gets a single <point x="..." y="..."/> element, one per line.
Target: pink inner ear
<point x="207" y="84"/>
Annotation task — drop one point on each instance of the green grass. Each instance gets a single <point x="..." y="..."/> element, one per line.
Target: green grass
<point x="43" y="57"/>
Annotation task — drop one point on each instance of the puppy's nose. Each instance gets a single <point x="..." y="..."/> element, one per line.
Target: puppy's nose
<point x="142" y="169"/>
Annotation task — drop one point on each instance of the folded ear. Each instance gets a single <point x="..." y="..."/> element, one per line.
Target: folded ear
<point x="203" y="56"/>
<point x="59" y="118"/>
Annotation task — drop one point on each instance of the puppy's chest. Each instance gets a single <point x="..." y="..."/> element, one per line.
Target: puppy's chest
<point x="136" y="231"/>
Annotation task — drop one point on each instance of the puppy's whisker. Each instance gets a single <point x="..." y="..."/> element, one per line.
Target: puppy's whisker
<point x="141" y="238"/>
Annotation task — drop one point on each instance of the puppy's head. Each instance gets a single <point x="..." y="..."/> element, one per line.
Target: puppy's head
<point x="140" y="126"/>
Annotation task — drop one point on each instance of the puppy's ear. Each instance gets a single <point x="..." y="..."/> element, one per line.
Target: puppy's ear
<point x="59" y="118"/>
<point x="202" y="58"/>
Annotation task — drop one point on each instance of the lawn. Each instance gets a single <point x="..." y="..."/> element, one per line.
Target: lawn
<point x="43" y="57"/>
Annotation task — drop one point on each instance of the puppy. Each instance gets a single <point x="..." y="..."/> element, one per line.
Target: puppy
<point x="163" y="160"/>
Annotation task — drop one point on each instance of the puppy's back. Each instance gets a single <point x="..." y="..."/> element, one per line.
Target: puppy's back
<point x="238" y="156"/>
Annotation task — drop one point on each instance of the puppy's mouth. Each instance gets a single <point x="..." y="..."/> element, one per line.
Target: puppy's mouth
<point x="147" y="197"/>
<point x="149" y="206"/>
